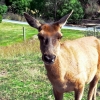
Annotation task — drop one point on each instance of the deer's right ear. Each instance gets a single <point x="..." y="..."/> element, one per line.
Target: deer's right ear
<point x="32" y="21"/>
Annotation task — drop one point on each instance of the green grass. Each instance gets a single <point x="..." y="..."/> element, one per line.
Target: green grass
<point x="71" y="34"/>
<point x="22" y="73"/>
<point x="24" y="78"/>
<point x="13" y="33"/>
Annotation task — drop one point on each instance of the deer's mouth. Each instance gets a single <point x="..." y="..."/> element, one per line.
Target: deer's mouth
<point x="48" y="59"/>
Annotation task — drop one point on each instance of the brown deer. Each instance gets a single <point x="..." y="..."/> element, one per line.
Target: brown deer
<point x="70" y="64"/>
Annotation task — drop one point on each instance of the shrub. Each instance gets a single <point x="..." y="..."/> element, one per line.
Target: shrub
<point x="3" y="9"/>
<point x="78" y="13"/>
<point x="19" y="6"/>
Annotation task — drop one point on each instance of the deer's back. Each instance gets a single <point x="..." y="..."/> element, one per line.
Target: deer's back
<point x="82" y="58"/>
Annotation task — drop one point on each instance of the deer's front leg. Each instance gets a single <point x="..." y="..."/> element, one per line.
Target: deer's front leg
<point x="57" y="95"/>
<point x="79" y="93"/>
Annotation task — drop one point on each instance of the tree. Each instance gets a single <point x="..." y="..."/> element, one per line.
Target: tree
<point x="48" y="9"/>
<point x="90" y="7"/>
<point x="18" y="6"/>
<point x="3" y="9"/>
<point x="58" y="8"/>
<point x="38" y="6"/>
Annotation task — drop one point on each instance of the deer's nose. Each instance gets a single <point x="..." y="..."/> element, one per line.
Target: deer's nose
<point x="49" y="58"/>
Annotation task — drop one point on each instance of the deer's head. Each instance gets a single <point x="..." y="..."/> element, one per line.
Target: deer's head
<point x="49" y="36"/>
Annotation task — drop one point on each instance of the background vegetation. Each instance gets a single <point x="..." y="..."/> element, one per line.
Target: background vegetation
<point x="3" y="10"/>
<point x="55" y="9"/>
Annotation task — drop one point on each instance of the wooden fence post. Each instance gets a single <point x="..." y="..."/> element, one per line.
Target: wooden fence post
<point x="24" y="35"/>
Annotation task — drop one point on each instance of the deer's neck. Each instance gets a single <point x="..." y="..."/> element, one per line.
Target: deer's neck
<point x="56" y="71"/>
<point x="53" y="70"/>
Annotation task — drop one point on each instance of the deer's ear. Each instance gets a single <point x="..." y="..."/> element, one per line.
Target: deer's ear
<point x="32" y="21"/>
<point x="64" y="19"/>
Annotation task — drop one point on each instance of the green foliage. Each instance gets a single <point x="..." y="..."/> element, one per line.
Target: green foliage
<point x="48" y="9"/>
<point x="38" y="7"/>
<point x="78" y="11"/>
<point x="19" y="6"/>
<point x="3" y="9"/>
<point x="54" y="10"/>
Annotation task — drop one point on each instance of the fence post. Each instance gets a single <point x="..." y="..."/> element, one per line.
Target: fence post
<point x="24" y="35"/>
<point x="94" y="30"/>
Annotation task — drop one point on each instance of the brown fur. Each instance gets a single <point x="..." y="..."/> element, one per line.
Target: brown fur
<point x="70" y="65"/>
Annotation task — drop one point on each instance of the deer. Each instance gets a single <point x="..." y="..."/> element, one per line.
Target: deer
<point x="69" y="64"/>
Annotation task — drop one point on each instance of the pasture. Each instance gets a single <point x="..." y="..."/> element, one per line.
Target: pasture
<point x="22" y="73"/>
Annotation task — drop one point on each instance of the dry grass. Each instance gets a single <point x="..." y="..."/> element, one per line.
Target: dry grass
<point x="24" y="48"/>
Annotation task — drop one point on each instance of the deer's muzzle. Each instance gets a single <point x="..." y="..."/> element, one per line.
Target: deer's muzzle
<point x="48" y="59"/>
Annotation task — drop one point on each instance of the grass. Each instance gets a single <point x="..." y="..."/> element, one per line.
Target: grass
<point x="22" y="73"/>
<point x="24" y="78"/>
<point x="18" y="80"/>
<point x="13" y="33"/>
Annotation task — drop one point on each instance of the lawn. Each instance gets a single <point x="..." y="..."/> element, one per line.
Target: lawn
<point x="22" y="73"/>
<point x="13" y="33"/>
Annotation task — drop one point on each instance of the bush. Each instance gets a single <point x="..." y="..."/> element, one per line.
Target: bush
<point x="78" y="13"/>
<point x="19" y="6"/>
<point x="3" y="9"/>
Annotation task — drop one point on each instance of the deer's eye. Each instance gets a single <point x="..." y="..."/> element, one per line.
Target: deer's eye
<point x="59" y="37"/>
<point x="43" y="39"/>
<point x="46" y="41"/>
<point x="40" y="37"/>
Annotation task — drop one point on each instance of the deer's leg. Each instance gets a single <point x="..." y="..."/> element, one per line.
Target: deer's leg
<point x="79" y="93"/>
<point x="92" y="89"/>
<point x="94" y="94"/>
<point x="57" y="95"/>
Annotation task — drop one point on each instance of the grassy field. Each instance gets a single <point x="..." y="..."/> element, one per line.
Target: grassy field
<point x="13" y="33"/>
<point x="22" y="73"/>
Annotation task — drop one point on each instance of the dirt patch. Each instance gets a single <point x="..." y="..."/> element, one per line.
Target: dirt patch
<point x="3" y="73"/>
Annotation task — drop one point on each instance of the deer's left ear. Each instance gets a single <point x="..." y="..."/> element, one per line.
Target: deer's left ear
<point x="32" y="21"/>
<point x="64" y="19"/>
